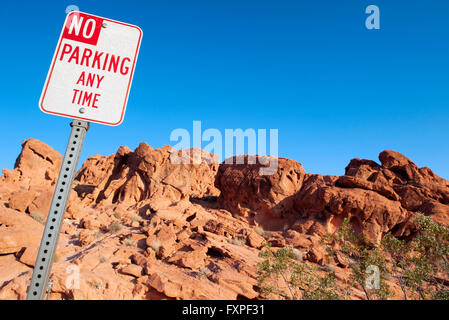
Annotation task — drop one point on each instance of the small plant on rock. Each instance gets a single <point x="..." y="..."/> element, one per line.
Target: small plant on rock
<point x="281" y="274"/>
<point x="115" y="227"/>
<point x="421" y="266"/>
<point x="156" y="246"/>
<point x="362" y="257"/>
<point x="136" y="218"/>
<point x="97" y="234"/>
<point x="204" y="272"/>
<point x="39" y="217"/>
<point x="260" y="231"/>
<point x="238" y="241"/>
<point x="129" y="242"/>
<point x="56" y="258"/>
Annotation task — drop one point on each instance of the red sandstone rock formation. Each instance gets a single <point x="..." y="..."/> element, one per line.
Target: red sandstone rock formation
<point x="140" y="227"/>
<point x="377" y="198"/>
<point x="145" y="175"/>
<point x="29" y="187"/>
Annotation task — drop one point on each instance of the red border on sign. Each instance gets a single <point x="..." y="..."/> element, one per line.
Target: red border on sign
<point x="53" y="64"/>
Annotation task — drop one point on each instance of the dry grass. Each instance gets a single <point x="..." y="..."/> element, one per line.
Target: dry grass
<point x="39" y="217"/>
<point x="156" y="246"/>
<point x="299" y="256"/>
<point x="204" y="272"/>
<point x="238" y="241"/>
<point x="260" y="231"/>
<point x="129" y="243"/>
<point x="56" y="258"/>
<point x="97" y="234"/>
<point x="136" y="218"/>
<point x="115" y="227"/>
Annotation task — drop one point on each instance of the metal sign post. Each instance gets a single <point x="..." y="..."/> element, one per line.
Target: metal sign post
<point x="44" y="260"/>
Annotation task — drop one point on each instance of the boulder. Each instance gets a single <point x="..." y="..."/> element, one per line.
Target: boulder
<point x="244" y="189"/>
<point x="37" y="164"/>
<point x="28" y="257"/>
<point x="132" y="270"/>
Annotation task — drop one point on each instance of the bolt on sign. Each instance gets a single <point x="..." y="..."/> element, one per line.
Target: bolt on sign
<point x="92" y="69"/>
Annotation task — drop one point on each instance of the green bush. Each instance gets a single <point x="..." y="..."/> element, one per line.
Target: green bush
<point x="362" y="256"/>
<point x="420" y="266"/>
<point x="282" y="274"/>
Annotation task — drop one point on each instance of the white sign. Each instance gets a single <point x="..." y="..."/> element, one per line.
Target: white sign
<point x="92" y="69"/>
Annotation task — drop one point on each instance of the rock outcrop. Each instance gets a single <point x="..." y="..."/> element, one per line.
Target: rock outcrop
<point x="29" y="187"/>
<point x="139" y="226"/>
<point x="244" y="190"/>
<point x="378" y="198"/>
<point x="130" y="177"/>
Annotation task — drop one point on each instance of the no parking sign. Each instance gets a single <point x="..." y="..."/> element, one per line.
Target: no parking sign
<point x="92" y="69"/>
<point x="89" y="81"/>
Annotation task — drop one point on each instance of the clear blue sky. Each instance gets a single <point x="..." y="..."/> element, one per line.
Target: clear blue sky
<point x="311" y="69"/>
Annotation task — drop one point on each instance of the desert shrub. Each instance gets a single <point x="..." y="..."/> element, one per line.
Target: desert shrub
<point x="421" y="266"/>
<point x="299" y="256"/>
<point x="282" y="274"/>
<point x="97" y="234"/>
<point x="238" y="241"/>
<point x="95" y="284"/>
<point x="363" y="259"/>
<point x="130" y="243"/>
<point x="260" y="231"/>
<point x="115" y="227"/>
<point x="204" y="272"/>
<point x="156" y="246"/>
<point x="56" y="258"/>
<point x="39" y="217"/>
<point x="136" y="218"/>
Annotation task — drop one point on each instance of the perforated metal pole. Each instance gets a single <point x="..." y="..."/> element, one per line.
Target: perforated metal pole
<point x="44" y="260"/>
